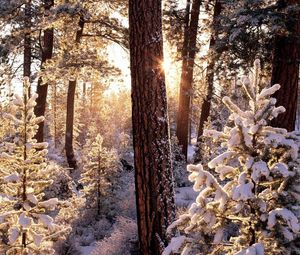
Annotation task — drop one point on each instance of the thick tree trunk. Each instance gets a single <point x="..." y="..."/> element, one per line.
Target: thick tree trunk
<point x="206" y="105"/>
<point x="27" y="43"/>
<point x="188" y="55"/>
<point x="70" y="110"/>
<point x="286" y="72"/>
<point x="153" y="170"/>
<point x="42" y="89"/>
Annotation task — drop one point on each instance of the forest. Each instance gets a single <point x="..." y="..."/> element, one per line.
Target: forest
<point x="149" y="127"/>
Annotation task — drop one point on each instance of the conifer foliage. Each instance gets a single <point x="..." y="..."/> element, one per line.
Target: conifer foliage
<point x="25" y="225"/>
<point x="100" y="169"/>
<point x="253" y="206"/>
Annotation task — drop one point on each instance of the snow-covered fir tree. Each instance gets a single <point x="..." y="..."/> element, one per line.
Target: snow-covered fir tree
<point x="253" y="206"/>
<point x="100" y="169"/>
<point x="25" y="224"/>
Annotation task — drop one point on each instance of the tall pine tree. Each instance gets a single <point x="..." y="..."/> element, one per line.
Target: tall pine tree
<point x="152" y="160"/>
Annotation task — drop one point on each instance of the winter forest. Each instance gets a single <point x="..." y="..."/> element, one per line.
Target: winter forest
<point x="149" y="127"/>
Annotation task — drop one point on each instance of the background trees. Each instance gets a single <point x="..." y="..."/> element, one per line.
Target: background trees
<point x="76" y="55"/>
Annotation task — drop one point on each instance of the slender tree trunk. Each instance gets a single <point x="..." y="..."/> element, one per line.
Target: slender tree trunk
<point x="27" y="43"/>
<point x="153" y="170"/>
<point x="84" y="95"/>
<point x="206" y="105"/>
<point x="188" y="55"/>
<point x="42" y="89"/>
<point x="70" y="110"/>
<point x="26" y="88"/>
<point x="55" y="114"/>
<point x="69" y="126"/>
<point x="98" y="187"/>
<point x="286" y="71"/>
<point x="191" y="121"/>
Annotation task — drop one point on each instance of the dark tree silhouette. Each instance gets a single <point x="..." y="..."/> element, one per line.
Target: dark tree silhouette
<point x="70" y="109"/>
<point x="188" y="59"/>
<point x="285" y="69"/>
<point x="42" y="89"/>
<point x="27" y="42"/>
<point x="206" y="105"/>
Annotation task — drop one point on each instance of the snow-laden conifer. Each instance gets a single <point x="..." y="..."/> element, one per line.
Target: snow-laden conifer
<point x="99" y="171"/>
<point x="252" y="207"/>
<point x="25" y="224"/>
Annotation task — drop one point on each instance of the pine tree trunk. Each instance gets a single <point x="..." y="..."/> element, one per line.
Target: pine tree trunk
<point x="42" y="89"/>
<point x="27" y="43"/>
<point x="188" y="57"/>
<point x="206" y="105"/>
<point x="69" y="125"/>
<point x="98" y="187"/>
<point x="55" y="114"/>
<point x="70" y="110"/>
<point x="286" y="72"/>
<point x="153" y="170"/>
<point x="84" y="95"/>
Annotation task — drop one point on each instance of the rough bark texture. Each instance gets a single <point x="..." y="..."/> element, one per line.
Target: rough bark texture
<point x="42" y="89"/>
<point x="153" y="170"/>
<point x="205" y="109"/>
<point x="286" y="71"/>
<point x="27" y="42"/>
<point x="70" y="109"/>
<point x="188" y="57"/>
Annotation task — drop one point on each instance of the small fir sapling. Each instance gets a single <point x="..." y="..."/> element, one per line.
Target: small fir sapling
<point x="253" y="207"/>
<point x="25" y="225"/>
<point x="100" y="169"/>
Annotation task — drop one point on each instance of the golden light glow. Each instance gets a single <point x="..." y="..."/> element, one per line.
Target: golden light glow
<point x="166" y="64"/>
<point x="172" y="71"/>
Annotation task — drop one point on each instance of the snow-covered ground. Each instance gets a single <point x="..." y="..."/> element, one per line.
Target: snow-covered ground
<point x="86" y="250"/>
<point x="185" y="196"/>
<point x="191" y="149"/>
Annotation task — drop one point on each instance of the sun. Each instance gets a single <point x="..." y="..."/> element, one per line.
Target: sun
<point x="166" y="64"/>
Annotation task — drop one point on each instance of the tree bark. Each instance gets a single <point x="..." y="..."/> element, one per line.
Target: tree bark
<point x="206" y="105"/>
<point x="188" y="59"/>
<point x="70" y="109"/>
<point x="153" y="170"/>
<point x="285" y="71"/>
<point x="27" y="43"/>
<point x="42" y="89"/>
<point x="55" y="114"/>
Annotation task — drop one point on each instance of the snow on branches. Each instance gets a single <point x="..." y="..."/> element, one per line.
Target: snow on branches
<point x="25" y="224"/>
<point x="253" y="206"/>
<point x="100" y="169"/>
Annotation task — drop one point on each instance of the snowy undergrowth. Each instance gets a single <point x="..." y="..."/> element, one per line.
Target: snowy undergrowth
<point x="122" y="241"/>
<point x="90" y="229"/>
